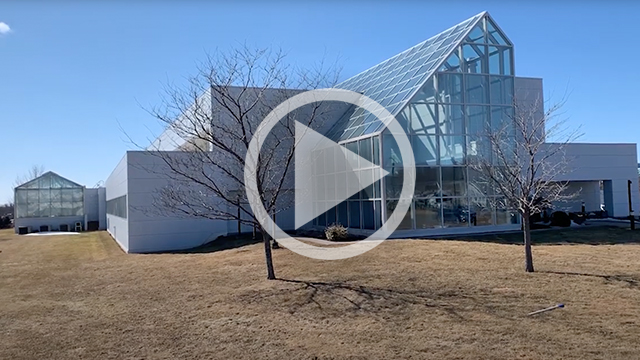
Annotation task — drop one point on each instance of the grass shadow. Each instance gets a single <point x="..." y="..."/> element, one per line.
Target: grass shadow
<point x="221" y="243"/>
<point x="632" y="281"/>
<point x="588" y="235"/>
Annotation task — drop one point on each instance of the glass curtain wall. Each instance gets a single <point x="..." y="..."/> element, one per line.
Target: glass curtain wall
<point x="447" y="121"/>
<point x="363" y="210"/>
<point x="49" y="196"/>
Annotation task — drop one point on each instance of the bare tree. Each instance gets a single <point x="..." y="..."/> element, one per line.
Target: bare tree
<point x="212" y="121"/>
<point x="517" y="161"/>
<point x="33" y="172"/>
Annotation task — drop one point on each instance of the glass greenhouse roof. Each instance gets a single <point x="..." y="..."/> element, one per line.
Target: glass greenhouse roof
<point x="393" y="82"/>
<point x="49" y="180"/>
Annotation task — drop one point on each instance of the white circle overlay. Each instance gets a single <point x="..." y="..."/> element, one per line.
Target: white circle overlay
<point x="310" y="97"/>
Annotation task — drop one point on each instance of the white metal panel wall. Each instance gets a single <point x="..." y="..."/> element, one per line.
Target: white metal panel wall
<point x="116" y="186"/>
<point x="615" y="162"/>
<point x="149" y="229"/>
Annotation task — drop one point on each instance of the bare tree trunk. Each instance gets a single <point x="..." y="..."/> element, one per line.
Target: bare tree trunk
<point x="528" y="264"/>
<point x="266" y="238"/>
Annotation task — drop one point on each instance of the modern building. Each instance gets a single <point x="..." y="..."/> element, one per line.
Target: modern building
<point x="53" y="203"/>
<point x="443" y="91"/>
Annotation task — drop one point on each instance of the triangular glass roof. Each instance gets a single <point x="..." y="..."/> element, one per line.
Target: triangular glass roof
<point x="49" y="180"/>
<point x="393" y="82"/>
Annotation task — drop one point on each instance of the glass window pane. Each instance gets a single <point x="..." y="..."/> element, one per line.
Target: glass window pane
<point x="452" y="150"/>
<point x="354" y="214"/>
<point x="479" y="184"/>
<point x="495" y="59"/>
<point x="393" y="183"/>
<point x="353" y="153"/>
<point x="343" y="214"/>
<point x="476" y="89"/>
<point x="453" y="63"/>
<point x="318" y="162"/>
<point x="478" y="119"/>
<point x="451" y="118"/>
<point x="476" y="35"/>
<point x="329" y="160"/>
<point x="330" y="187"/>
<point x="504" y="214"/>
<point x="501" y="90"/>
<point x="376" y="149"/>
<point x="502" y="120"/>
<point x="506" y="68"/>
<point x="428" y="213"/>
<point x="366" y="151"/>
<point x="390" y="152"/>
<point x="427" y="93"/>
<point x="425" y="150"/>
<point x="368" y="217"/>
<point x="427" y="182"/>
<point x="479" y="150"/>
<point x="450" y="88"/>
<point x="455" y="212"/>
<point x="423" y="118"/>
<point x="331" y="216"/>
<point x="378" y="213"/>
<point x="481" y="213"/>
<point x="474" y="58"/>
<point x="407" y="221"/>
<point x="366" y="176"/>
<point x="454" y="181"/>
<point x="322" y="218"/>
<point x="493" y="35"/>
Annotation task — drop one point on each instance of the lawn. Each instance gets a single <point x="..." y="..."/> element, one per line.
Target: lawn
<point x="82" y="297"/>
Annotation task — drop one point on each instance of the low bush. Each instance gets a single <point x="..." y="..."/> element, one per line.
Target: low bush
<point x="336" y="232"/>
<point x="560" y="218"/>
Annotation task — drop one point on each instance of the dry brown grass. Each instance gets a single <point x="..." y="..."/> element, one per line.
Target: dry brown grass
<point x="81" y="297"/>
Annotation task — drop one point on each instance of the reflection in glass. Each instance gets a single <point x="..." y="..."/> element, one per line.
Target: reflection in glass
<point x="428" y="213"/>
<point x="423" y="118"/>
<point x="407" y="221"/>
<point x="454" y="181"/>
<point x="366" y="151"/>
<point x="481" y="211"/>
<point x="425" y="149"/>
<point x="354" y="214"/>
<point x="455" y="212"/>
<point x="449" y="88"/>
<point x="368" y="217"/>
<point x="427" y="182"/>
<point x="474" y="58"/>
<point x="477" y="119"/>
<point x="476" y="90"/>
<point x="452" y="150"/>
<point x="451" y="118"/>
<point x="501" y="90"/>
<point x="390" y="152"/>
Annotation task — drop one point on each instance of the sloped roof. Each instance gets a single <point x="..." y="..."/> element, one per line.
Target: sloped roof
<point x="49" y="180"/>
<point x="393" y="82"/>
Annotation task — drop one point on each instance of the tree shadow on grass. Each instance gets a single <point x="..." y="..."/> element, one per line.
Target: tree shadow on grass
<point x="340" y="298"/>
<point x="221" y="243"/>
<point x="633" y="281"/>
<point x="587" y="235"/>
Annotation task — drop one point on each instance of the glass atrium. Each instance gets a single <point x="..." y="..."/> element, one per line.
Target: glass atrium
<point x="446" y="93"/>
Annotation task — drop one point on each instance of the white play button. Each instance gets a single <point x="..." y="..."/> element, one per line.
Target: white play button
<point x="326" y="174"/>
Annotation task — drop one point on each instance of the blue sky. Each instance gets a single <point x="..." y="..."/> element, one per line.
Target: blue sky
<point x="70" y="72"/>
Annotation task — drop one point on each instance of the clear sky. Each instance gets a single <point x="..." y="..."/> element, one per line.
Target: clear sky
<point x="71" y="71"/>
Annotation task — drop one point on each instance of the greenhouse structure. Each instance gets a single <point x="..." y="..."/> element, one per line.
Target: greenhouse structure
<point x="53" y="203"/>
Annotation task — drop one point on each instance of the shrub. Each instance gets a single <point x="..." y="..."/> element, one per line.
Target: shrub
<point x="577" y="218"/>
<point x="560" y="218"/>
<point x="336" y="232"/>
